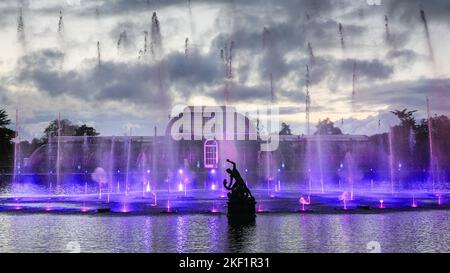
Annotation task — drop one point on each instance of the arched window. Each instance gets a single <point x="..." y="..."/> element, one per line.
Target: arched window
<point x="210" y="154"/>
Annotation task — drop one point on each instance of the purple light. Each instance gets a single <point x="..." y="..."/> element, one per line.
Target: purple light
<point x="124" y="209"/>
<point x="180" y="187"/>
<point x="180" y="171"/>
<point x="304" y="202"/>
<point x="344" y="198"/>
<point x="259" y="209"/>
<point x="148" y="171"/>
<point x="246" y="170"/>
<point x="414" y="204"/>
<point x="213" y="171"/>
<point x="381" y="204"/>
<point x="213" y="187"/>
<point x="439" y="199"/>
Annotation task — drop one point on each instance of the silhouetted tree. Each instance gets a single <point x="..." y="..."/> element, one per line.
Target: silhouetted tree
<point x="285" y="129"/>
<point x="326" y="127"/>
<point x="6" y="135"/>
<point x="67" y="129"/>
<point x="86" y="130"/>
<point x="406" y="117"/>
<point x="4" y="121"/>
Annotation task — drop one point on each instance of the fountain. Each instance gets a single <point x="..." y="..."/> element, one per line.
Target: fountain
<point x="58" y="157"/>
<point x="319" y="160"/>
<point x="85" y="158"/>
<point x="111" y="167"/>
<point x="128" y="158"/>
<point x="427" y="34"/>
<point x="391" y="158"/>
<point x="433" y="161"/>
<point x="16" y="167"/>
<point x="350" y="173"/>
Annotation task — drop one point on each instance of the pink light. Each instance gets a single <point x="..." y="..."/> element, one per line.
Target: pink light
<point x="303" y="202"/>
<point x="213" y="171"/>
<point x="180" y="187"/>
<point x="439" y="200"/>
<point x="17" y="208"/>
<point x="344" y="198"/>
<point x="48" y="209"/>
<point x="213" y="187"/>
<point x="84" y="209"/>
<point x="381" y="204"/>
<point x="259" y="209"/>
<point x="414" y="204"/>
<point x="180" y="171"/>
<point x="214" y="210"/>
<point x="124" y="209"/>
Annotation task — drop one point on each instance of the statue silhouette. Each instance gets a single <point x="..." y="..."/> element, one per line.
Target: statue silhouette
<point x="240" y="199"/>
<point x="239" y="189"/>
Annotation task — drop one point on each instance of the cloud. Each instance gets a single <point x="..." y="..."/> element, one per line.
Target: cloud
<point x="124" y="90"/>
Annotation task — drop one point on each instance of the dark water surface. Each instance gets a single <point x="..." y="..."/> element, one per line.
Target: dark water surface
<point x="425" y="231"/>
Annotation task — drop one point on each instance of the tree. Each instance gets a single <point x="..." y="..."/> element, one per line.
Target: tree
<point x="6" y="135"/>
<point x="86" y="130"/>
<point x="326" y="127"/>
<point x="67" y="128"/>
<point x="406" y="117"/>
<point x="4" y="121"/>
<point x="285" y="129"/>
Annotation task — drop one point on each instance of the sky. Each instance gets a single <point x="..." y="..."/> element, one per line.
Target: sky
<point x="365" y="59"/>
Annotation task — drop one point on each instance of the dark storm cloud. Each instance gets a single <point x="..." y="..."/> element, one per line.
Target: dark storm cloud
<point x="408" y="10"/>
<point x="4" y="99"/>
<point x="194" y="69"/>
<point x="240" y="93"/>
<point x="117" y="81"/>
<point x="133" y="33"/>
<point x="336" y="72"/>
<point x="405" y="56"/>
<point x="365" y="70"/>
<point x="109" y="82"/>
<point x="410" y="94"/>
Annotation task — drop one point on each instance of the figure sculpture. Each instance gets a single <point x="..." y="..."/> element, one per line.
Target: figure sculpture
<point x="240" y="200"/>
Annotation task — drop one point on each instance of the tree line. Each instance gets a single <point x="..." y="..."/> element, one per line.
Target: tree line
<point x="7" y="135"/>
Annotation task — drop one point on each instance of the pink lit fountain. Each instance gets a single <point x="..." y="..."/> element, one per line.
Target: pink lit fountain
<point x="344" y="197"/>
<point x="304" y="202"/>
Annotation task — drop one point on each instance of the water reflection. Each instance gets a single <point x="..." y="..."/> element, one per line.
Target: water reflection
<point x="426" y="231"/>
<point x="240" y="235"/>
